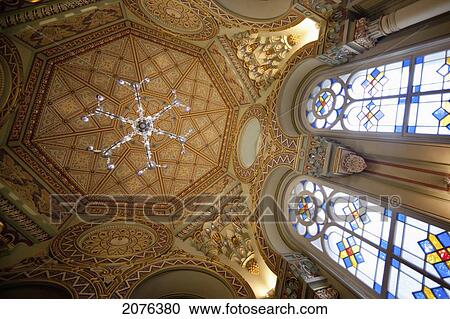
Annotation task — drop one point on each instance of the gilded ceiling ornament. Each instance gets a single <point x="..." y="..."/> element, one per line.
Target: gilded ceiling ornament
<point x="10" y="78"/>
<point x="115" y="242"/>
<point x="229" y="239"/>
<point x="263" y="56"/>
<point x="54" y="32"/>
<point x="229" y="20"/>
<point x="181" y="18"/>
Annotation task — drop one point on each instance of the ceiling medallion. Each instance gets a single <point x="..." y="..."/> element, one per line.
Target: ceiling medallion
<point x="143" y="126"/>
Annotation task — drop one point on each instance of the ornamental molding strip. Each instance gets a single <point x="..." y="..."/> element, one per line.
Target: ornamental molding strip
<point x="31" y="13"/>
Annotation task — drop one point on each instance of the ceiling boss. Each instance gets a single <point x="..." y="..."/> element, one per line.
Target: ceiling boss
<point x="143" y="126"/>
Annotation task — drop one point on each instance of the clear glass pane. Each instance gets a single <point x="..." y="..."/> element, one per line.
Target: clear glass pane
<point x="404" y="282"/>
<point x="359" y="258"/>
<point x="430" y="114"/>
<point x="385" y="115"/>
<point x="384" y="80"/>
<point x="432" y="72"/>
<point x="424" y="245"/>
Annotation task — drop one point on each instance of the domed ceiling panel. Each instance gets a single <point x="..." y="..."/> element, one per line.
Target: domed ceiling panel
<point x="58" y="138"/>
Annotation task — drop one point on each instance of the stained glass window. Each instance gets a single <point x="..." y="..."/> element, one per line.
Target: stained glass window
<point x="377" y="99"/>
<point x="394" y="254"/>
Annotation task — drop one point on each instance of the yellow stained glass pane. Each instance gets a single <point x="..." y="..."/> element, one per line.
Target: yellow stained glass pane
<point x="433" y="258"/>
<point x="428" y="293"/>
<point x="353" y="260"/>
<point x="437" y="245"/>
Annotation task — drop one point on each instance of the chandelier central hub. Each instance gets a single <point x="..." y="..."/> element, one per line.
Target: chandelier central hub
<point x="143" y="126"/>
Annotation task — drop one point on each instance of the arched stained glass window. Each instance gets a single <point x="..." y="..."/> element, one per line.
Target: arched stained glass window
<point x="409" y="96"/>
<point x="392" y="253"/>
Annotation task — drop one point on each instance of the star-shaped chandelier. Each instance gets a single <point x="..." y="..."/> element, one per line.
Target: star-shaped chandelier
<point x="143" y="126"/>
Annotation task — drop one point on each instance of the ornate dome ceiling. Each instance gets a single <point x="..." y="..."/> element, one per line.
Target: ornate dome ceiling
<point x="58" y="138"/>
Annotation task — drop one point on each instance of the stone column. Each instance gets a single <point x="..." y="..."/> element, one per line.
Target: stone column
<point x="366" y="33"/>
<point x="414" y="13"/>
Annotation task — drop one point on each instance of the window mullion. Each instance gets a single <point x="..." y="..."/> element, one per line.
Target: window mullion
<point x="408" y="95"/>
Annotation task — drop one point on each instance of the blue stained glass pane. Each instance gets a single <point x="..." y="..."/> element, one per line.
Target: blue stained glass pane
<point x="411" y="129"/>
<point x="426" y="246"/>
<point x="377" y="287"/>
<point x="397" y="251"/>
<point x="440" y="293"/>
<point x="383" y="244"/>
<point x="442" y="269"/>
<point x="405" y="62"/>
<point x="351" y="241"/>
<point x="382" y="255"/>
<point x="390" y="296"/>
<point x="388" y="212"/>
<point x="416" y="88"/>
<point x="444" y="238"/>
<point x="347" y="262"/>
<point x="415" y="99"/>
<point x="419" y="295"/>
<point x="419" y="59"/>
<point x="401" y="217"/>
<point x="395" y="263"/>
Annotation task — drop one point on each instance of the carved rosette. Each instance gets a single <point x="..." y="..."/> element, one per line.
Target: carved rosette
<point x="353" y="163"/>
<point x="115" y="242"/>
<point x="326" y="293"/>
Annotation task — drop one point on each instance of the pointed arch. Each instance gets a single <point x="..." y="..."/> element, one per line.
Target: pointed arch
<point x="380" y="251"/>
<point x="405" y="95"/>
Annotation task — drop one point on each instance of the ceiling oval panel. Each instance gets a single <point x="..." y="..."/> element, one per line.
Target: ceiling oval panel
<point x="256" y="9"/>
<point x="113" y="242"/>
<point x="181" y="18"/>
<point x="248" y="149"/>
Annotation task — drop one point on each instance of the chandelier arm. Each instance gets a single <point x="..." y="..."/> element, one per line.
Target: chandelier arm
<point x="118" y="143"/>
<point x="137" y="96"/>
<point x="165" y="109"/>
<point x="114" y="116"/>
<point x="166" y="133"/>
<point x="148" y="149"/>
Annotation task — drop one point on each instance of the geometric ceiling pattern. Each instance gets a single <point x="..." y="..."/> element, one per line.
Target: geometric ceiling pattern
<point x="60" y="137"/>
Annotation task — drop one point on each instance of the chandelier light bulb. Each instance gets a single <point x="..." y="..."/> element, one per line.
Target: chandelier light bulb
<point x="85" y="118"/>
<point x="147" y="80"/>
<point x="90" y="148"/>
<point x="121" y="82"/>
<point x="140" y="172"/>
<point x="100" y="98"/>
<point x="110" y="167"/>
<point x="188" y="109"/>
